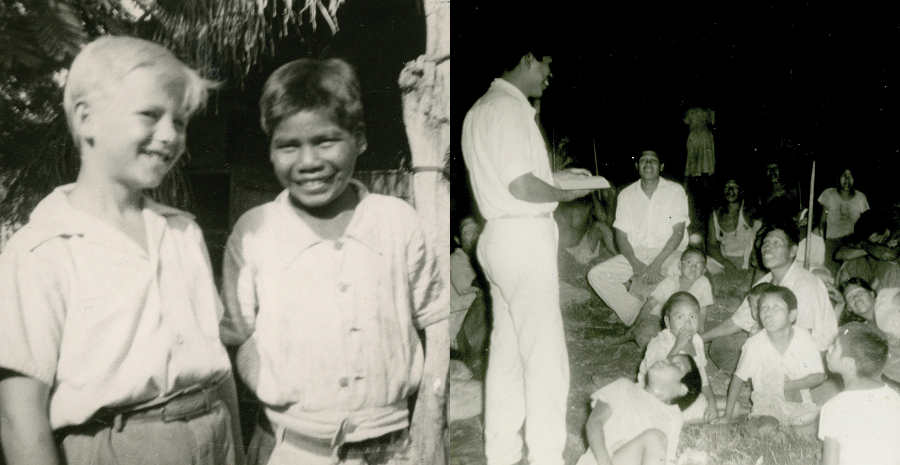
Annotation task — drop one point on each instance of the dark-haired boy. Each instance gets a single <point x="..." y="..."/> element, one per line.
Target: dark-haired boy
<point x="862" y="423"/>
<point x="326" y="288"/>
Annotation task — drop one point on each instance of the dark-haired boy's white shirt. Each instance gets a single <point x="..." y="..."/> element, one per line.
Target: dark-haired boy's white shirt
<point x="814" y="310"/>
<point x="767" y="368"/>
<point x="334" y="321"/>
<point x="85" y="310"/>
<point x="866" y="425"/>
<point x="633" y="411"/>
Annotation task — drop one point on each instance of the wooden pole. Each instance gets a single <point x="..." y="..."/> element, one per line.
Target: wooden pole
<point x="809" y="216"/>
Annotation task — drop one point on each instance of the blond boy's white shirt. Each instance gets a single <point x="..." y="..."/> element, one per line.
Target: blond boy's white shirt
<point x="334" y="321"/>
<point x="814" y="310"/>
<point x="102" y="322"/>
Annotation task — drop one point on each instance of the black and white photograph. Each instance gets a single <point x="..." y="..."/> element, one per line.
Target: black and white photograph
<point x="224" y="232"/>
<point x="675" y="234"/>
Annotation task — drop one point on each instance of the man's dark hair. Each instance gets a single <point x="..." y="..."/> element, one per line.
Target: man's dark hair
<point x="871" y="222"/>
<point x="867" y="346"/>
<point x="694" y="384"/>
<point x="515" y="42"/>
<point x="856" y="281"/>
<point x="787" y="226"/>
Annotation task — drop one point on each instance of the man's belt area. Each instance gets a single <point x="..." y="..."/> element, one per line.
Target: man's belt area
<point x="384" y="445"/>
<point x="182" y="405"/>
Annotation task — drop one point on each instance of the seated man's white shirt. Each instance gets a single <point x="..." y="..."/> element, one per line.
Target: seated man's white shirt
<point x="647" y="221"/>
<point x="814" y="310"/>
<point x="767" y="368"/>
<point x="634" y="410"/>
<point x="701" y="289"/>
<point x="866" y="425"/>
<point x="496" y="153"/>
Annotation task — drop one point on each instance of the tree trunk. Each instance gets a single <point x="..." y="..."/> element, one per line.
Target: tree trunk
<point x="425" y="87"/>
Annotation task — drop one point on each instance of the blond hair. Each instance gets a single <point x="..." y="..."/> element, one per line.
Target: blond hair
<point x="102" y="65"/>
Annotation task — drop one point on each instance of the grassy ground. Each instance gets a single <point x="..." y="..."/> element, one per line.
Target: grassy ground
<point x="594" y="363"/>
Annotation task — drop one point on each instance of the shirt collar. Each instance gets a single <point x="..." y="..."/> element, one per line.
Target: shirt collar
<point x="505" y="86"/>
<point x="56" y="216"/>
<point x="302" y="237"/>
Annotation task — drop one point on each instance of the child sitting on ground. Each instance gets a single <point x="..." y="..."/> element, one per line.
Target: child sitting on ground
<point x="860" y="425"/>
<point x="783" y="363"/>
<point x="692" y="280"/>
<point x="680" y="313"/>
<point x="630" y="424"/>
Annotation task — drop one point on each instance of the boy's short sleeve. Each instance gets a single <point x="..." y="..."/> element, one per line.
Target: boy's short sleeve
<point x="428" y="283"/>
<point x="32" y="314"/>
<point x="747" y="363"/>
<point x="829" y="423"/>
<point x="238" y="291"/>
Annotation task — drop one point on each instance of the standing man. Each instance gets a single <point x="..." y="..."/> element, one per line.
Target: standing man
<point x="651" y="217"/>
<point x="528" y="371"/>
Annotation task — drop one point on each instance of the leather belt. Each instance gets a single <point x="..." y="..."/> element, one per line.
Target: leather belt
<point x="383" y="444"/>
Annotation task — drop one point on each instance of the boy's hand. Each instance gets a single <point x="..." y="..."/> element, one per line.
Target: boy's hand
<point x="683" y="339"/>
<point x="712" y="413"/>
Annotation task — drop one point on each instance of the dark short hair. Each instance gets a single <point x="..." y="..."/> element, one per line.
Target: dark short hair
<point x="788" y="227"/>
<point x="677" y="298"/>
<point x="694" y="383"/>
<point x="856" y="281"/>
<point x="867" y="346"/>
<point x="760" y="289"/>
<point x="640" y="154"/>
<point x="309" y="84"/>
<point x="783" y="293"/>
<point x="515" y="40"/>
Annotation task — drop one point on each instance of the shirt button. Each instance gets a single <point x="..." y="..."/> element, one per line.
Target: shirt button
<point x="343" y="287"/>
<point x="344" y="382"/>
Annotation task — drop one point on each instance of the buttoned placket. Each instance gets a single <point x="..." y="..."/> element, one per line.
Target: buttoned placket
<point x="349" y="320"/>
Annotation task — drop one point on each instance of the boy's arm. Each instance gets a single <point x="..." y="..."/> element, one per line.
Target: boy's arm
<point x="734" y="391"/>
<point x="712" y="410"/>
<point x="725" y="328"/>
<point x="238" y="296"/>
<point x="595" y="434"/>
<point x="831" y="451"/>
<point x="806" y="382"/>
<point x="24" y="421"/>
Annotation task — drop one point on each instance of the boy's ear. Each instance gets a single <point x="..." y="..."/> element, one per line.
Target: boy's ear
<point x="82" y="119"/>
<point x="794" y="251"/>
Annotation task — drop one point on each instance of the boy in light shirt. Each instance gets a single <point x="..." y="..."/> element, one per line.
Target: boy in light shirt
<point x="783" y="364"/>
<point x="109" y="313"/>
<point x="862" y="423"/>
<point x="327" y="287"/>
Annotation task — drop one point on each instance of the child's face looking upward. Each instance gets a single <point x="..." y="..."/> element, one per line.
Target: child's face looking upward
<point x="664" y="380"/>
<point x="135" y="132"/>
<point x="774" y="313"/>
<point x="313" y="158"/>
<point x="682" y="317"/>
<point x="692" y="266"/>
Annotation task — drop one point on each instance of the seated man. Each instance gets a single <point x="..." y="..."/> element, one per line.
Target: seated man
<point x="651" y="217"/>
<point x="871" y="252"/>
<point x="468" y="323"/>
<point x="814" y="310"/>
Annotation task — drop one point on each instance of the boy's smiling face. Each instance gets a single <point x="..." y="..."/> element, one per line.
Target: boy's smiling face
<point x="314" y="158"/>
<point x="135" y="132"/>
<point x="692" y="266"/>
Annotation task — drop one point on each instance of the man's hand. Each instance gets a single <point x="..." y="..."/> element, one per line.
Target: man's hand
<point x="653" y="273"/>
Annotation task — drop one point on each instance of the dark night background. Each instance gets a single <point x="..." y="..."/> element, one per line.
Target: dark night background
<point x="787" y="82"/>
